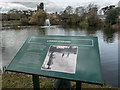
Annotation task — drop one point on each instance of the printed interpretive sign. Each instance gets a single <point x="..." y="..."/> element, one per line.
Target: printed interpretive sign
<point x="73" y="58"/>
<point x="61" y="59"/>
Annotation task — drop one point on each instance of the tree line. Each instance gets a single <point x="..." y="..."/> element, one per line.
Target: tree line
<point x="80" y="16"/>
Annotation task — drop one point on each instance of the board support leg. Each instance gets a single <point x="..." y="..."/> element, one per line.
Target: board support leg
<point x="36" y="84"/>
<point x="61" y="84"/>
<point x="78" y="85"/>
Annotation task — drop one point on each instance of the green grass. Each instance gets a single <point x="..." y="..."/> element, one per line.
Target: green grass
<point x="11" y="21"/>
<point x="25" y="81"/>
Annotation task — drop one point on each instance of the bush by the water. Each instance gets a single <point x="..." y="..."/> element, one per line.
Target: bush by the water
<point x="84" y="24"/>
<point x="38" y="18"/>
<point x="24" y="21"/>
<point x="93" y="20"/>
<point x="112" y="16"/>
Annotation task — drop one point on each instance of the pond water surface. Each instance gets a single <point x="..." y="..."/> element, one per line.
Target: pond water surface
<point x="13" y="39"/>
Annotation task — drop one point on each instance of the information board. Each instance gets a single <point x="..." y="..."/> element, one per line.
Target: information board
<point x="74" y="58"/>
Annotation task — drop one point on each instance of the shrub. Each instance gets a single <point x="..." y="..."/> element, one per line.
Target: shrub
<point x="112" y="16"/>
<point x="83" y="24"/>
<point x="38" y="18"/>
<point x="93" y="20"/>
<point x="24" y="21"/>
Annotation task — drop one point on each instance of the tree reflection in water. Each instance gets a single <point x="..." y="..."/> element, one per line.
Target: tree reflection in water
<point x="109" y="35"/>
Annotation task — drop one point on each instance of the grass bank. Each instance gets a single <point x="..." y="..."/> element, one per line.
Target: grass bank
<point x="17" y="80"/>
<point x="11" y="23"/>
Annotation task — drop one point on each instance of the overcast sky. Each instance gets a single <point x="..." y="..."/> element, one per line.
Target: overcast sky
<point x="51" y="5"/>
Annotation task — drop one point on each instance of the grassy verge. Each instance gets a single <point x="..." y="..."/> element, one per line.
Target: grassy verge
<point x="11" y="21"/>
<point x="25" y="81"/>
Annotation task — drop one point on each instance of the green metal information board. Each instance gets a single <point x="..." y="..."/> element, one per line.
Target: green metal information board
<point x="73" y="58"/>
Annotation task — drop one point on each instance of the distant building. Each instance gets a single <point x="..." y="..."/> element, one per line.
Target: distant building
<point x="119" y="4"/>
<point x="40" y="6"/>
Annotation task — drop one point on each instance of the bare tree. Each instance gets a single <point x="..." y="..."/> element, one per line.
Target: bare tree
<point x="69" y="9"/>
<point x="92" y="8"/>
<point x="80" y="10"/>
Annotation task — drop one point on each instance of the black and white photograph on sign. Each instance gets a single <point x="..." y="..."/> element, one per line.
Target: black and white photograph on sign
<point x="61" y="59"/>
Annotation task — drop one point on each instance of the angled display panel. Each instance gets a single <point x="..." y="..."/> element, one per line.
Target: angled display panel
<point x="74" y="58"/>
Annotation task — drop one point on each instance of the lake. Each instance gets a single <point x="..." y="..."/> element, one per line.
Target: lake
<point x="13" y="39"/>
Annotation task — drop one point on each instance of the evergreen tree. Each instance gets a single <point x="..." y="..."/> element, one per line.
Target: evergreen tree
<point x="112" y="16"/>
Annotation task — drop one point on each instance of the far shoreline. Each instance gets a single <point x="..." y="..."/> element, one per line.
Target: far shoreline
<point x="17" y="24"/>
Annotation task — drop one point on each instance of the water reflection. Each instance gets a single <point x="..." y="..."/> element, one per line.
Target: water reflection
<point x="90" y="31"/>
<point x="109" y="35"/>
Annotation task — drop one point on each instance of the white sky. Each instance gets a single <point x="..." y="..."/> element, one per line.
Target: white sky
<point x="64" y="2"/>
<point x="55" y="5"/>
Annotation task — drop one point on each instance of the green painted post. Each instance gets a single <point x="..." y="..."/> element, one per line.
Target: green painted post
<point x="78" y="85"/>
<point x="36" y="84"/>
